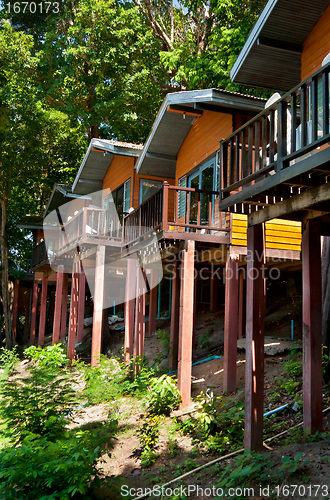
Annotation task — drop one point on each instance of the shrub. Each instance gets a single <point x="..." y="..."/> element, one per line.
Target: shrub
<point x="50" y="357"/>
<point x="39" y="404"/>
<point x="204" y="340"/>
<point x="9" y="359"/>
<point x="148" y="436"/>
<point x="45" y="470"/>
<point x="163" y="396"/>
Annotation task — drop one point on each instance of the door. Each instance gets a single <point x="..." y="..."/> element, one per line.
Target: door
<point x="204" y="178"/>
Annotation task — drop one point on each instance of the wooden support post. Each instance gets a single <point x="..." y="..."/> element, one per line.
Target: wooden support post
<point x="153" y="302"/>
<point x="15" y="307"/>
<point x="129" y="309"/>
<point x="64" y="306"/>
<point x="312" y="325"/>
<point x="241" y="308"/>
<point x="174" y="333"/>
<point x="231" y="324"/>
<point x="73" y="315"/>
<point x="43" y="311"/>
<point x="50" y="319"/>
<point x="34" y="312"/>
<point x="58" y="305"/>
<point x="213" y="291"/>
<point x="140" y="304"/>
<point x="98" y="305"/>
<point x="186" y="322"/>
<point x="255" y="325"/>
<point x="28" y="306"/>
<point x="194" y="336"/>
<point x="81" y="301"/>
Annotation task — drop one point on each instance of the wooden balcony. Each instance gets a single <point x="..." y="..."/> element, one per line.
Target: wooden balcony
<point x="281" y="152"/>
<point x="39" y="255"/>
<point x="159" y="216"/>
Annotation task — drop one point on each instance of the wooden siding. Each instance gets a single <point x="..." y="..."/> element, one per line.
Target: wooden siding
<point x="280" y="234"/>
<point x="316" y="46"/>
<point x="202" y="140"/>
<point x="120" y="169"/>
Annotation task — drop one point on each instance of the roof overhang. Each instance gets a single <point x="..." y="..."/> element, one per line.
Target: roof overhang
<point x="59" y="197"/>
<point x="174" y="120"/>
<point x="95" y="164"/>
<point x="271" y="56"/>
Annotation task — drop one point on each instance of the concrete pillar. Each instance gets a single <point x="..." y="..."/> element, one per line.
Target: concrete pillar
<point x="81" y="301"/>
<point x="72" y="335"/>
<point x="58" y="305"/>
<point x="15" y="307"/>
<point x="186" y="322"/>
<point x="175" y="307"/>
<point x="231" y="324"/>
<point x="129" y="309"/>
<point x="64" y="306"/>
<point x="255" y="326"/>
<point x="43" y="311"/>
<point x="153" y="302"/>
<point x="312" y="325"/>
<point x="34" y="312"/>
<point x="98" y="305"/>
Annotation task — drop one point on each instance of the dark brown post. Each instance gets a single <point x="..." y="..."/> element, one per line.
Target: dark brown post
<point x="312" y="325"/>
<point x="64" y="305"/>
<point x="50" y="319"/>
<point x="174" y="333"/>
<point x="34" y="312"/>
<point x="241" y="309"/>
<point x="130" y="295"/>
<point x="73" y="315"/>
<point x="231" y="324"/>
<point x="58" y="305"/>
<point x="153" y="301"/>
<point x="98" y="305"/>
<point x="15" y="307"/>
<point x="255" y="324"/>
<point x="186" y="322"/>
<point x="27" y="315"/>
<point x="81" y="301"/>
<point x="43" y="308"/>
<point x="165" y="206"/>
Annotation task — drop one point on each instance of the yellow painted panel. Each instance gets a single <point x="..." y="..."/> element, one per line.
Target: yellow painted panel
<point x="279" y="234"/>
<point x="283" y="246"/>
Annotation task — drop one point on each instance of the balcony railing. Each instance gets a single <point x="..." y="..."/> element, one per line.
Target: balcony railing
<point x="296" y="125"/>
<point x="160" y="212"/>
<point x="39" y="254"/>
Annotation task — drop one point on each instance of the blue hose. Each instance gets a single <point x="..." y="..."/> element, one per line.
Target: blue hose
<point x="276" y="410"/>
<point x="199" y="362"/>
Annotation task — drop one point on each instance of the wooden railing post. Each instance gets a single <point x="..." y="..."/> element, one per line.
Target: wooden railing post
<point x="165" y="205"/>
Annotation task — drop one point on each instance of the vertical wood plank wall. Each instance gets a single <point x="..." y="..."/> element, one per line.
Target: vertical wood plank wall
<point x="316" y="46"/>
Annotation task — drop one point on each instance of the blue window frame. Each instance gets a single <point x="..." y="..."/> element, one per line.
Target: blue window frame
<point x="206" y="177"/>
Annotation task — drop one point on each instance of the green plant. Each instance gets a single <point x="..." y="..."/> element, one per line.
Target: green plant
<point x="293" y="366"/>
<point x="172" y="447"/>
<point x="61" y="470"/>
<point x="9" y="359"/>
<point x="287" y="385"/>
<point x="207" y="415"/>
<point x="39" y="404"/>
<point x="148" y="435"/>
<point x="163" y="396"/>
<point x="164" y="340"/>
<point x="50" y="357"/>
<point x="204" y="340"/>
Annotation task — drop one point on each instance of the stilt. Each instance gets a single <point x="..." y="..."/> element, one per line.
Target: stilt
<point x="72" y="336"/>
<point x="15" y="307"/>
<point x="231" y="324"/>
<point x="98" y="305"/>
<point x="34" y="312"/>
<point x="58" y="305"/>
<point x="186" y="322"/>
<point x="50" y="318"/>
<point x="64" y="306"/>
<point x="174" y="333"/>
<point x="213" y="291"/>
<point x="312" y="325"/>
<point x="28" y="306"/>
<point x="140" y="305"/>
<point x="81" y="301"/>
<point x="241" y="308"/>
<point x="43" y="310"/>
<point x="129" y="309"/>
<point x="194" y="336"/>
<point x="255" y="324"/>
<point x="153" y="302"/>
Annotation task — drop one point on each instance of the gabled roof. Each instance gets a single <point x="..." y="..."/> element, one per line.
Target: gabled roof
<point x="96" y="162"/>
<point x="170" y="128"/>
<point x="59" y="196"/>
<point x="271" y="56"/>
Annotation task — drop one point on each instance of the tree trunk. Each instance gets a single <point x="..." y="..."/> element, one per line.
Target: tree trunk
<point x="6" y="302"/>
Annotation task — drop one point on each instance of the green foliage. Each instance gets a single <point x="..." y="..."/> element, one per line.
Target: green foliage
<point x="39" y="404"/>
<point x="172" y="447"/>
<point x="51" y="357"/>
<point x="293" y="366"/>
<point x="135" y="378"/>
<point x="163" y="396"/>
<point x="164" y="339"/>
<point x="288" y="386"/>
<point x="204" y="340"/>
<point x="46" y="470"/>
<point x="9" y="360"/>
<point x="149" y="435"/>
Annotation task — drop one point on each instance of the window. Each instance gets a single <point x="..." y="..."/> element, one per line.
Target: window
<point x="121" y="198"/>
<point x="148" y="187"/>
<point x="127" y="196"/>
<point x="206" y="177"/>
<point x="182" y="198"/>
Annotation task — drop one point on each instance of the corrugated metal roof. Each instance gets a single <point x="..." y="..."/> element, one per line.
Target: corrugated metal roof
<point x="170" y="129"/>
<point x="271" y="56"/>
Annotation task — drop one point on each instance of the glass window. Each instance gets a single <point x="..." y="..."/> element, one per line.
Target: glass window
<point x="148" y="187"/>
<point x="182" y="198"/>
<point x="127" y="196"/>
